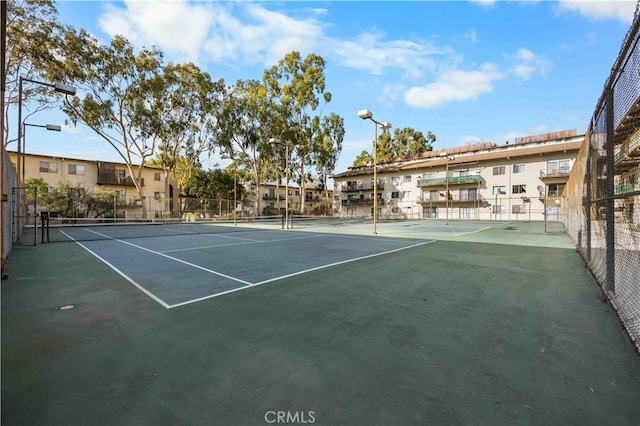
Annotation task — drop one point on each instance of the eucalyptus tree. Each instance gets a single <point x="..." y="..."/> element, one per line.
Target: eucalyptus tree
<point x="114" y="83"/>
<point x="34" y="39"/>
<point x="405" y="142"/>
<point x="297" y="86"/>
<point x="245" y="128"/>
<point x="327" y="146"/>
<point x="182" y="116"/>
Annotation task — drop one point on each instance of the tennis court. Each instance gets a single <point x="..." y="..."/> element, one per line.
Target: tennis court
<point x="423" y="323"/>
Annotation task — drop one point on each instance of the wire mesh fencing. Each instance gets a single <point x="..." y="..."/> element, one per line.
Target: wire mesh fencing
<point x="602" y="208"/>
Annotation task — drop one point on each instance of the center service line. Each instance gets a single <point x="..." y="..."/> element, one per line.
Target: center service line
<point x="193" y="265"/>
<point x="119" y="272"/>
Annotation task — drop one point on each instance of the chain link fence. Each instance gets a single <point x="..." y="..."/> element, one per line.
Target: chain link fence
<point x="602" y="208"/>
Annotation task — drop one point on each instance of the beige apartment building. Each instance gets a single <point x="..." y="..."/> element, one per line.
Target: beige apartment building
<point x="86" y="176"/>
<point x="523" y="180"/>
<point x="272" y="199"/>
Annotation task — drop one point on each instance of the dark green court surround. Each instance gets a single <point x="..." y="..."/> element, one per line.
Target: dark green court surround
<point x="494" y="331"/>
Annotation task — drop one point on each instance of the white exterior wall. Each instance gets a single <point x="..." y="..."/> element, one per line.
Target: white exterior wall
<point x="408" y="206"/>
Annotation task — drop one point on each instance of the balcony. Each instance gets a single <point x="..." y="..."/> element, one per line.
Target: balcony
<point x="272" y="197"/>
<point x="356" y="201"/>
<point x="361" y="187"/>
<point x="622" y="162"/>
<point x="453" y="180"/>
<point x="626" y="188"/>
<point x="109" y="175"/>
<point x="550" y="174"/>
<point x="453" y="199"/>
<point x="105" y="179"/>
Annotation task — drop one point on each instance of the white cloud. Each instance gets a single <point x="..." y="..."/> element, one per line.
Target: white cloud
<point x="527" y="63"/>
<point x="472" y="36"/>
<point x="484" y="3"/>
<point x="600" y="9"/>
<point x="390" y="95"/>
<point x="454" y="86"/>
<point x="249" y="33"/>
<point x="178" y="28"/>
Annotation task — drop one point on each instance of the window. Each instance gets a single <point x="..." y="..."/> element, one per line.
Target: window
<point x="75" y="169"/>
<point x="407" y="178"/>
<point x="555" y="189"/>
<point x="395" y="194"/>
<point x="406" y="194"/>
<point x="157" y="176"/>
<point x="498" y="190"/>
<point x="519" y="189"/>
<point x="48" y="167"/>
<point x="468" y="194"/>
<point x="395" y="180"/>
<point x="121" y="195"/>
<point x="518" y="208"/>
<point x="519" y="168"/>
<point x="157" y="196"/>
<point x="395" y="209"/>
<point x="558" y="167"/>
<point x="499" y="170"/>
<point x="463" y="173"/>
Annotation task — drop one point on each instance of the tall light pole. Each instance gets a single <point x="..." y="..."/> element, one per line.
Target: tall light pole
<point x="365" y="114"/>
<point x="286" y="191"/>
<point x="49" y="127"/>
<point x="57" y="87"/>
<point x="446" y="183"/>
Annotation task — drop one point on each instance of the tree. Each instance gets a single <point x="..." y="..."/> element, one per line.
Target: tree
<point x="244" y="128"/>
<point x="298" y="86"/>
<point x="116" y="85"/>
<point x="327" y="147"/>
<point x="34" y="39"/>
<point x="215" y="184"/>
<point x="405" y="142"/>
<point x="52" y="198"/>
<point x="183" y="116"/>
<point x="363" y="159"/>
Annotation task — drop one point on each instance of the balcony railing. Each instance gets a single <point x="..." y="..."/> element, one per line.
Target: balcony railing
<point x="268" y="196"/>
<point x="361" y="187"/>
<point x="452" y="198"/>
<point x="626" y="188"/>
<point x="552" y="173"/>
<point x="453" y="180"/>
<point x="113" y="179"/>
<point x="356" y="201"/>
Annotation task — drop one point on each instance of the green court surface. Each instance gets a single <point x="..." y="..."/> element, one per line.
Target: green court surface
<point x="423" y="323"/>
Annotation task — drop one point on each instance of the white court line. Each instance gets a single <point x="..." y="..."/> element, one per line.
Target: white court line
<point x="299" y="273"/>
<point x="174" y="258"/>
<point x="119" y="272"/>
<point x="211" y="235"/>
<point x="473" y="232"/>
<point x="238" y="244"/>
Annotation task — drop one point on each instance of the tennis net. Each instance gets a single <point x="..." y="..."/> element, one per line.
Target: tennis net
<point x="80" y="229"/>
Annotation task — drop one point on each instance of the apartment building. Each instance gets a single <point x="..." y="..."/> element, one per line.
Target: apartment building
<point x="626" y="165"/>
<point x="272" y="198"/>
<point x="523" y="180"/>
<point x="88" y="176"/>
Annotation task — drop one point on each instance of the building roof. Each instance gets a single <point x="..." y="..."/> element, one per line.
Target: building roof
<point x="60" y="157"/>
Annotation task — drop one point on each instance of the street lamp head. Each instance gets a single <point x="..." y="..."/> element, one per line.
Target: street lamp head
<point x="53" y="127"/>
<point x="64" y="88"/>
<point x="385" y="125"/>
<point x="365" y="114"/>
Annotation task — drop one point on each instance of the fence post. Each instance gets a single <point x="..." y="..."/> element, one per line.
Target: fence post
<point x="609" y="193"/>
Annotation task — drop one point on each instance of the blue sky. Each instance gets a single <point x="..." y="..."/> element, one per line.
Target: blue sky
<point x="467" y="71"/>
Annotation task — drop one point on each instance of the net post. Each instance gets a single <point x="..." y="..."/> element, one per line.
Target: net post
<point x="283" y="220"/>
